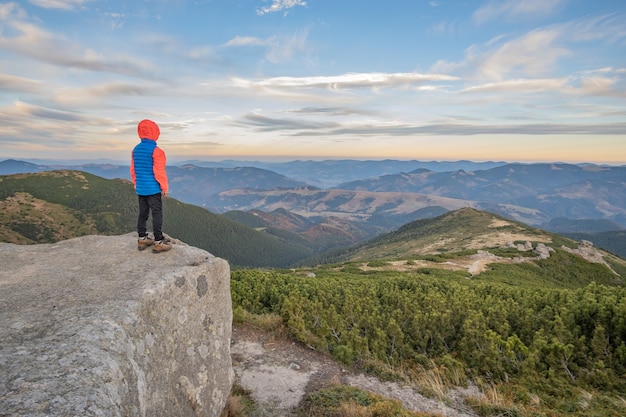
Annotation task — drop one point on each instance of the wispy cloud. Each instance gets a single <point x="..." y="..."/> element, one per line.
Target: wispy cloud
<point x="29" y="110"/>
<point x="282" y="49"/>
<point x="59" y="4"/>
<point x="534" y="54"/>
<point x="277" y="48"/>
<point x="300" y="127"/>
<point x="95" y="94"/>
<point x="513" y="9"/>
<point x="351" y="81"/>
<point x="603" y="86"/>
<point x="269" y="124"/>
<point x="525" y="86"/>
<point x="280" y="6"/>
<point x="20" y="84"/>
<point x="29" y="40"/>
<point x="444" y="28"/>
<point x="11" y="11"/>
<point x="330" y="111"/>
<point x="537" y="53"/>
<point x="238" y="41"/>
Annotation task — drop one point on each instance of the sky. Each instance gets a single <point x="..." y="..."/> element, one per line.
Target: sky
<point x="499" y="80"/>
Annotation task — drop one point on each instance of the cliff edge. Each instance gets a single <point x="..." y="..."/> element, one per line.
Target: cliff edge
<point x="93" y="327"/>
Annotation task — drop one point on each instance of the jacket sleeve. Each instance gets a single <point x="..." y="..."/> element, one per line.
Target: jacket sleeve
<point x="159" y="169"/>
<point x="133" y="177"/>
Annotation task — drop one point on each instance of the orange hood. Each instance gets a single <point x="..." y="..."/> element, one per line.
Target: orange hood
<point x="147" y="129"/>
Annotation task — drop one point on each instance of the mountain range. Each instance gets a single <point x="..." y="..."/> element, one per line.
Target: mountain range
<point x="321" y="174"/>
<point x="585" y="201"/>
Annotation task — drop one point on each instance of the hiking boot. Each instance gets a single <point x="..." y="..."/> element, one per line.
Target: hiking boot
<point x="162" y="246"/>
<point x="144" y="242"/>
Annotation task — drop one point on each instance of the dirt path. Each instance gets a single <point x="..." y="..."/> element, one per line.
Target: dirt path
<point x="278" y="373"/>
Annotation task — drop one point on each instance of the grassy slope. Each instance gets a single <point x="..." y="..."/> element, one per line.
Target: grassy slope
<point x="463" y="229"/>
<point x="456" y="237"/>
<point x="534" y="336"/>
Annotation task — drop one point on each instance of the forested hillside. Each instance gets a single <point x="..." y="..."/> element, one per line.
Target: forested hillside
<point x="54" y="205"/>
<point x="540" y="326"/>
<point x="543" y="341"/>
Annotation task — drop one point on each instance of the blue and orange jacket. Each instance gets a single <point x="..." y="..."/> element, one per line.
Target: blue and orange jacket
<point x="147" y="167"/>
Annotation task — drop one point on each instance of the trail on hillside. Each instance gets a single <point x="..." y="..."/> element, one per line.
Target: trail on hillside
<point x="278" y="373"/>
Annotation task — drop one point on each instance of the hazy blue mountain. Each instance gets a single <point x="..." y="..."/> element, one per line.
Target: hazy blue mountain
<point x="12" y="166"/>
<point x="556" y="190"/>
<point x="196" y="185"/>
<point x="510" y="180"/>
<point x="330" y="173"/>
<point x="531" y="193"/>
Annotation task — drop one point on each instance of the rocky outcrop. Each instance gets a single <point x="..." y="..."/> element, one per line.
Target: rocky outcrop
<point x="586" y="251"/>
<point x="541" y="250"/>
<point x="93" y="327"/>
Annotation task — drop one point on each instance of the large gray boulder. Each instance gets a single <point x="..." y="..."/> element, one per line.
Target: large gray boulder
<point x="93" y="327"/>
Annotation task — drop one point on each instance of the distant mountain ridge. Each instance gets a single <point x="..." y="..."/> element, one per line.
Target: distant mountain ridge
<point x="546" y="191"/>
<point x="534" y="194"/>
<point x="322" y="174"/>
<point x="557" y="190"/>
<point x="329" y="173"/>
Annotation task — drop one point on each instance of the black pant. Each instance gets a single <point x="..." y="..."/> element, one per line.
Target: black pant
<point x="150" y="203"/>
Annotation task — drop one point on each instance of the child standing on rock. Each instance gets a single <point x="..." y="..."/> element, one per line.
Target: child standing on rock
<point x="147" y="171"/>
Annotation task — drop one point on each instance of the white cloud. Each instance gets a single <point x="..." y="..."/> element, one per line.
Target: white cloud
<point x="33" y="111"/>
<point x="354" y="80"/>
<point x="59" y="4"/>
<point x="93" y="95"/>
<point x="29" y="40"/>
<point x="601" y="86"/>
<point x="280" y="5"/>
<point x="534" y="54"/>
<point x="520" y="85"/>
<point x="21" y="84"/>
<point x="610" y="27"/>
<point x="443" y="127"/>
<point x="202" y="53"/>
<point x="279" y="49"/>
<point x="512" y="9"/>
<point x="245" y="41"/>
<point x="11" y="11"/>
<point x="537" y="53"/>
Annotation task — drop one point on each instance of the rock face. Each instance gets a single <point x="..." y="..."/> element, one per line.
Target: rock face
<point x="93" y="327"/>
